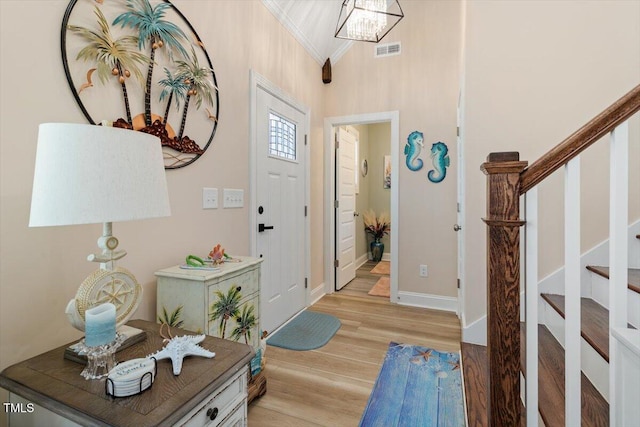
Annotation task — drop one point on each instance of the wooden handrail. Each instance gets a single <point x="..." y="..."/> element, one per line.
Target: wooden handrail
<point x="595" y="129"/>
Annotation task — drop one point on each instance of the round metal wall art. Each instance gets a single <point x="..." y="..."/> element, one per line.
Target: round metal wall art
<point x="140" y="65"/>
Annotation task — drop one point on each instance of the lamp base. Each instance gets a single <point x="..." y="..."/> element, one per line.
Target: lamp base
<point x="131" y="336"/>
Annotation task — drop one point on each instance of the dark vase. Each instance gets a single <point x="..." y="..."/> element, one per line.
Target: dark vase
<point x="377" y="248"/>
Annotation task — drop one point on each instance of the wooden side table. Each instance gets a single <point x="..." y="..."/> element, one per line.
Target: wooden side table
<point x="208" y="392"/>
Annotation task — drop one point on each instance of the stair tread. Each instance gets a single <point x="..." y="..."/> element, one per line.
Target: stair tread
<point x="595" y="409"/>
<point x="476" y="378"/>
<point x="594" y="325"/>
<point x="634" y="275"/>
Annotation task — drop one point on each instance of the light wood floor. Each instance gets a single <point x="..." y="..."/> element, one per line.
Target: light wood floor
<point x="330" y="386"/>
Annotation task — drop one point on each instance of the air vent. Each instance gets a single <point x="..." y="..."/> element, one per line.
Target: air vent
<point x="388" y="49"/>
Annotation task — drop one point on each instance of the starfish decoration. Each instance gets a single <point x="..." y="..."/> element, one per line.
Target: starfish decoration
<point x="180" y="347"/>
<point x="425" y="354"/>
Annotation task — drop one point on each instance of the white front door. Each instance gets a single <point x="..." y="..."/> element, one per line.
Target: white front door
<point x="280" y="204"/>
<point x="346" y="224"/>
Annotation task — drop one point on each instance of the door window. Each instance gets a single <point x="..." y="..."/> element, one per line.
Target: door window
<point x="282" y="137"/>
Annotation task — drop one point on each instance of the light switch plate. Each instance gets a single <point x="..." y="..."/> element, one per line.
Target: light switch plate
<point x="233" y="198"/>
<point x="209" y="198"/>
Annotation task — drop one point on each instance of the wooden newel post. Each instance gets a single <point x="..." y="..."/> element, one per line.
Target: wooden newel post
<point x="503" y="287"/>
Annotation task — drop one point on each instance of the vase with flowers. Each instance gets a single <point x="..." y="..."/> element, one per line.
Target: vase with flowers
<point x="377" y="226"/>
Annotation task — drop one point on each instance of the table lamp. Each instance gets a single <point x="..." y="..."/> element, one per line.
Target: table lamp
<point x="86" y="174"/>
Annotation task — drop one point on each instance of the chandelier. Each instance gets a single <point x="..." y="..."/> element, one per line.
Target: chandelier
<point x="367" y="20"/>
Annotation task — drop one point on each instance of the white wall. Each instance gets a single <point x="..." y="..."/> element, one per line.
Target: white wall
<point x="536" y="71"/>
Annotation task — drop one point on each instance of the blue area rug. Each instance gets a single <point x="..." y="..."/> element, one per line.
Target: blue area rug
<point x="307" y="331"/>
<point x="416" y="386"/>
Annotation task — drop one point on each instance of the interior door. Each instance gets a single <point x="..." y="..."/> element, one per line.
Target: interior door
<point x="345" y="211"/>
<point x="457" y="227"/>
<point x="280" y="196"/>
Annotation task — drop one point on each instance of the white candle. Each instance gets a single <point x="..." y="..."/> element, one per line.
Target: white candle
<point x="100" y="325"/>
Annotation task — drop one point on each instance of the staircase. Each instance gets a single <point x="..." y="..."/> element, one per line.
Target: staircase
<point x="595" y="333"/>
<point x="578" y="362"/>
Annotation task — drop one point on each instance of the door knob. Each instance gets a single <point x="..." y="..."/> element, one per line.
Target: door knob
<point x="262" y="227"/>
<point x="456" y="227"/>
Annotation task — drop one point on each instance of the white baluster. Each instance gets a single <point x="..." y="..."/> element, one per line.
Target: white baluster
<point x="531" y="304"/>
<point x="572" y="363"/>
<point x="618" y="253"/>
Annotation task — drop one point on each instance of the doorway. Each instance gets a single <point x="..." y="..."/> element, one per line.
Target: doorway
<point x="280" y="187"/>
<point x="331" y="195"/>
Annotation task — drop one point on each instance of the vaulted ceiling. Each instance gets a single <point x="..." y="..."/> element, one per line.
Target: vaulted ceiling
<point x="313" y="24"/>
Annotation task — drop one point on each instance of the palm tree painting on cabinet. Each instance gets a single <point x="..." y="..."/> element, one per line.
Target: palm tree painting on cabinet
<point x="245" y="322"/>
<point x="173" y="319"/>
<point x="226" y="306"/>
<point x="144" y="34"/>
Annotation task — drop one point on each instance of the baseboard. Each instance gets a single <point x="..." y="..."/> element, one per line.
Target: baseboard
<point x="385" y="257"/>
<point x="475" y="332"/>
<point x="435" y="302"/>
<point x="316" y="293"/>
<point x="361" y="260"/>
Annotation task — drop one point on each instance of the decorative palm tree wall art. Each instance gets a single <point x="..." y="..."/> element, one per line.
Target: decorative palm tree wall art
<point x="119" y="39"/>
<point x="172" y="86"/>
<point x="157" y="32"/>
<point x="113" y="57"/>
<point x="196" y="78"/>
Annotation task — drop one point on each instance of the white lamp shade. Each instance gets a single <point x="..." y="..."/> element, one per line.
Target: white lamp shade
<point x="87" y="174"/>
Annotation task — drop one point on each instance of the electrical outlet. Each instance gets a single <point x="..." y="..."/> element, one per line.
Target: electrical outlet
<point x="209" y="198"/>
<point x="424" y="272"/>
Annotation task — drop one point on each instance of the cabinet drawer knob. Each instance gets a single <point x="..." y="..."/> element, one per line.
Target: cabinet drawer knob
<point x="212" y="413"/>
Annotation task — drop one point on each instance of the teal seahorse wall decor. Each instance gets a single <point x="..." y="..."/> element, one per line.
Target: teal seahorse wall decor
<point x="440" y="159"/>
<point x="415" y="142"/>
